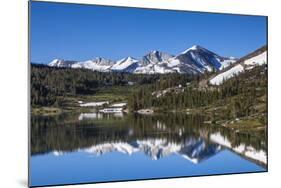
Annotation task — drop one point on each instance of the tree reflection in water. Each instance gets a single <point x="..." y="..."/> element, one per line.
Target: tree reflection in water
<point x="156" y="135"/>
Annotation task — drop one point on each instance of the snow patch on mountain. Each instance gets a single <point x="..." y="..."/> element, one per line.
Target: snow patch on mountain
<point x="84" y="116"/>
<point x="174" y="63"/>
<point x="160" y="68"/>
<point x="217" y="80"/>
<point x="94" y="104"/>
<point x="257" y="60"/>
<point x="227" y="62"/>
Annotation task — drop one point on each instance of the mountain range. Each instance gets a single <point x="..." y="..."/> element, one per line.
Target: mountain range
<point x="194" y="60"/>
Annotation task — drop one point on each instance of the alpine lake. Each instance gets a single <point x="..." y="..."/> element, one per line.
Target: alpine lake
<point x="98" y="147"/>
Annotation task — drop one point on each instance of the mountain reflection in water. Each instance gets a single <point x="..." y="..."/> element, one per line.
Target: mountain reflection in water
<point x="194" y="150"/>
<point x="143" y="146"/>
<point x="156" y="136"/>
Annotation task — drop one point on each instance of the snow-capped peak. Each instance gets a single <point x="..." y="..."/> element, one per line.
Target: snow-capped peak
<point x="131" y="59"/>
<point x="128" y="64"/>
<point x="194" y="47"/>
<point x="154" y="57"/>
<point x="126" y="59"/>
<point x="103" y="61"/>
<point x="61" y="63"/>
<point x="199" y="59"/>
<point x="97" y="64"/>
<point x="54" y="62"/>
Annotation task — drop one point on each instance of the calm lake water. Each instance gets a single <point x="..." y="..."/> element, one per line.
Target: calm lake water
<point x="94" y="147"/>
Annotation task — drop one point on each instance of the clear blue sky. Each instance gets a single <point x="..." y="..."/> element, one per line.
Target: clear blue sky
<point x="82" y="32"/>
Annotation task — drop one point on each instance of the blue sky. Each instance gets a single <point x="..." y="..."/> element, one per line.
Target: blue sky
<point x="82" y="32"/>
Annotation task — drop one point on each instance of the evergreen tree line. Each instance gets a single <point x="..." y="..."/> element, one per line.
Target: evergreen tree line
<point x="49" y="83"/>
<point x="239" y="93"/>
